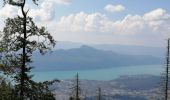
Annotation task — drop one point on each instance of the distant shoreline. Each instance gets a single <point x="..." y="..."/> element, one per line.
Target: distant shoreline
<point x="100" y="74"/>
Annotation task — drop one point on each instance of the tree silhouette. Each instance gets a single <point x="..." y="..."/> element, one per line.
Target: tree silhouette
<point x="164" y="86"/>
<point x="76" y="90"/>
<point x="99" y="96"/>
<point x="167" y="72"/>
<point x="21" y="37"/>
<point x="7" y="91"/>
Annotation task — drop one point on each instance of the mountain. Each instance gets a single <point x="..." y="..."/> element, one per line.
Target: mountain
<point x="118" y="48"/>
<point x="133" y="49"/>
<point x="138" y="82"/>
<point x="87" y="57"/>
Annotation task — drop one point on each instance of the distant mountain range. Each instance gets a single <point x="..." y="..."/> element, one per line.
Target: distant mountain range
<point x="86" y="57"/>
<point x="117" y="48"/>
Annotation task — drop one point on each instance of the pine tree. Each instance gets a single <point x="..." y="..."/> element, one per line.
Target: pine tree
<point x="7" y="91"/>
<point x="21" y="37"/>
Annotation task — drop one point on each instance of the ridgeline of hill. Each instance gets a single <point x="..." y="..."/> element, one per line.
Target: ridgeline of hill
<point x="87" y="57"/>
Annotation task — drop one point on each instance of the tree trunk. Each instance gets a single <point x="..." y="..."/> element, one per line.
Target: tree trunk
<point x="23" y="69"/>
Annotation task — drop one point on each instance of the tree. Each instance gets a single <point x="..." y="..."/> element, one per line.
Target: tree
<point x="76" y="90"/>
<point x="7" y="91"/>
<point x="167" y="72"/>
<point x="164" y="86"/>
<point x="21" y="37"/>
<point x="42" y="92"/>
<point x="99" y="96"/>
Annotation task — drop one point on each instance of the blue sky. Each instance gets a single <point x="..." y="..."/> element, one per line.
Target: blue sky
<point x="127" y="22"/>
<point x="132" y="7"/>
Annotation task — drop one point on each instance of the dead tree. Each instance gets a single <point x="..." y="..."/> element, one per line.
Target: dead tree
<point x="76" y="90"/>
<point x="99" y="96"/>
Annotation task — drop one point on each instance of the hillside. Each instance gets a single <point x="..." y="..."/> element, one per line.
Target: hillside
<point x="86" y="57"/>
<point x="122" y="88"/>
<point x="121" y="49"/>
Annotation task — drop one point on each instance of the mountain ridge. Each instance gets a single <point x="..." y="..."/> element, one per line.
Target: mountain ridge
<point x="118" y="48"/>
<point x="87" y="57"/>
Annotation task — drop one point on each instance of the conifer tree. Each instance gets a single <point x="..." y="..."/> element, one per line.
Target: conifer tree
<point x="7" y="91"/>
<point x="20" y="38"/>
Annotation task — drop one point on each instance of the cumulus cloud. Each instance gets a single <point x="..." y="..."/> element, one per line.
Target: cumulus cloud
<point x="8" y="11"/>
<point x="157" y="14"/>
<point x="44" y="13"/>
<point x="65" y="2"/>
<point x="82" y="22"/>
<point x="114" y="8"/>
<point x="100" y="23"/>
<point x="98" y="28"/>
<point x="157" y="19"/>
<point x="47" y="9"/>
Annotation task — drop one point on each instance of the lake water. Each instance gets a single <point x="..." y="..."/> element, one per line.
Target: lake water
<point x="100" y="74"/>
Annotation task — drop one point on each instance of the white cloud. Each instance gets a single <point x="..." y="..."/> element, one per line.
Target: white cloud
<point x="97" y="22"/>
<point x="65" y="2"/>
<point x="156" y="15"/>
<point x="98" y="28"/>
<point x="82" y="22"/>
<point x="47" y="9"/>
<point x="8" y="11"/>
<point x="114" y="8"/>
<point x="157" y="19"/>
<point x="44" y="13"/>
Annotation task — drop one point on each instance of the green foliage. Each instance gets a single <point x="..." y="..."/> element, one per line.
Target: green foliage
<point x="19" y="39"/>
<point x="41" y="91"/>
<point x="7" y="91"/>
<point x="38" y="91"/>
<point x="12" y="44"/>
<point x="37" y="38"/>
<point x="12" y="57"/>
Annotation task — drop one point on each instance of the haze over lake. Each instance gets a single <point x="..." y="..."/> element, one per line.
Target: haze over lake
<point x="100" y="74"/>
<point x="96" y="63"/>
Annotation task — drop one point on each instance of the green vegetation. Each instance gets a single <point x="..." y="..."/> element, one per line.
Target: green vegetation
<point x="7" y="91"/>
<point x="19" y="39"/>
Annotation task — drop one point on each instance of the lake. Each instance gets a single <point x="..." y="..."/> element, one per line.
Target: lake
<point x="100" y="74"/>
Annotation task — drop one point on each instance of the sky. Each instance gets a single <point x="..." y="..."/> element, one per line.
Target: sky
<point x="125" y="22"/>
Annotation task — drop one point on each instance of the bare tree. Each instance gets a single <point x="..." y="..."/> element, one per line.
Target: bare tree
<point x="167" y="72"/>
<point x="76" y="90"/>
<point x="99" y="96"/>
<point x="164" y="94"/>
